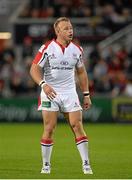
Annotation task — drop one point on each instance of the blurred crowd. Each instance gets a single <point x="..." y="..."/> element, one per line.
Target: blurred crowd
<point x="14" y="70"/>
<point x="110" y="75"/>
<point x="119" y="11"/>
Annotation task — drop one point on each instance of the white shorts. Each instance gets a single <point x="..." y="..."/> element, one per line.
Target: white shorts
<point x="64" y="102"/>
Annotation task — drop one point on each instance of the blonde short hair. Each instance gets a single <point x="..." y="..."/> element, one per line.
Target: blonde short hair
<point x="60" y="20"/>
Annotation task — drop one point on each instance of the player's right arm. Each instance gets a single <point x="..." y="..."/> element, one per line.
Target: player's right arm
<point x="37" y="76"/>
<point x="37" y="65"/>
<point x="36" y="73"/>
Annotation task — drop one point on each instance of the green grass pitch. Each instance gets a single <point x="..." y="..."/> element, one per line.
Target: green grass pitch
<point x="110" y="152"/>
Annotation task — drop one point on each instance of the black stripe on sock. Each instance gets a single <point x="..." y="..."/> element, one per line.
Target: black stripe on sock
<point x="81" y="142"/>
<point x="48" y="145"/>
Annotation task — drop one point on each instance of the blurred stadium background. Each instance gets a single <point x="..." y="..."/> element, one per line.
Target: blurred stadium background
<point x="104" y="30"/>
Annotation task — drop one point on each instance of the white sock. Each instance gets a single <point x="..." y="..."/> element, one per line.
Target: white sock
<point x="82" y="146"/>
<point x="46" y="148"/>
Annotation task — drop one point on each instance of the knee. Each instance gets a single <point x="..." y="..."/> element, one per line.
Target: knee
<point x="76" y="127"/>
<point x="49" y="130"/>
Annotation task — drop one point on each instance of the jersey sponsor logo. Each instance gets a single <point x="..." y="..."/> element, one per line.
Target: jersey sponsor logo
<point x="61" y="68"/>
<point x="65" y="63"/>
<point x="46" y="104"/>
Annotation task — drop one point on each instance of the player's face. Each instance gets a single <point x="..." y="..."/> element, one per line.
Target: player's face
<point x="65" y="30"/>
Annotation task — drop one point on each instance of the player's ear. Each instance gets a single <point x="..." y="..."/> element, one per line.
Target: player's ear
<point x="57" y="30"/>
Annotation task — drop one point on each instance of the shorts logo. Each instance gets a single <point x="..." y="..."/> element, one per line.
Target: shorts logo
<point x="76" y="104"/>
<point x="46" y="104"/>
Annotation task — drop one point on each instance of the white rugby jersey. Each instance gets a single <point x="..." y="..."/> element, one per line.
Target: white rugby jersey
<point x="59" y="64"/>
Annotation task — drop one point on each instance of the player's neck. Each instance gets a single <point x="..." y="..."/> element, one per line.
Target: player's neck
<point x="62" y="42"/>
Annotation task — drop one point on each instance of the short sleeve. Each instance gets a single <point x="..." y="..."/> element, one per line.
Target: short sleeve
<point x="40" y="57"/>
<point x="80" y="60"/>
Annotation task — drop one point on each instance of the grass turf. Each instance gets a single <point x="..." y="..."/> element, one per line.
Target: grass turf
<point x="110" y="152"/>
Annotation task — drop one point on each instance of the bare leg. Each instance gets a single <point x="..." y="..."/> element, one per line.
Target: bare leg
<point x="49" y="122"/>
<point x="75" y="121"/>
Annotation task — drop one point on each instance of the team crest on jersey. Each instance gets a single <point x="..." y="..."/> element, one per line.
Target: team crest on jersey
<point x="52" y="56"/>
<point x="74" y="55"/>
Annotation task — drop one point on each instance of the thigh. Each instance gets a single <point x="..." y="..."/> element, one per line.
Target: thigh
<point x="49" y="118"/>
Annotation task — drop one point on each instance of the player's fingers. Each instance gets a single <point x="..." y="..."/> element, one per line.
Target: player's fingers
<point x="53" y="91"/>
<point x="86" y="106"/>
<point x="51" y="95"/>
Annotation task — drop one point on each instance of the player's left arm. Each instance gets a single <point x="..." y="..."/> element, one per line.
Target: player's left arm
<point x="84" y="85"/>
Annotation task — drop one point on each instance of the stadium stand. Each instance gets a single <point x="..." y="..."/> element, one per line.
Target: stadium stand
<point x="109" y="70"/>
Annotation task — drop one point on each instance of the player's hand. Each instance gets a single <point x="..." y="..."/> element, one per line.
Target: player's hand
<point x="49" y="91"/>
<point x="86" y="102"/>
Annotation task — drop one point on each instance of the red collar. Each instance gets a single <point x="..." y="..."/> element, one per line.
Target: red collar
<point x="61" y="46"/>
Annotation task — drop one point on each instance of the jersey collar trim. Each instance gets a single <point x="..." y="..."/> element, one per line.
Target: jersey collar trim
<point x="61" y="46"/>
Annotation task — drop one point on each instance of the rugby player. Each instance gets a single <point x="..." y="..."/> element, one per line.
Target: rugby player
<point x="53" y="69"/>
